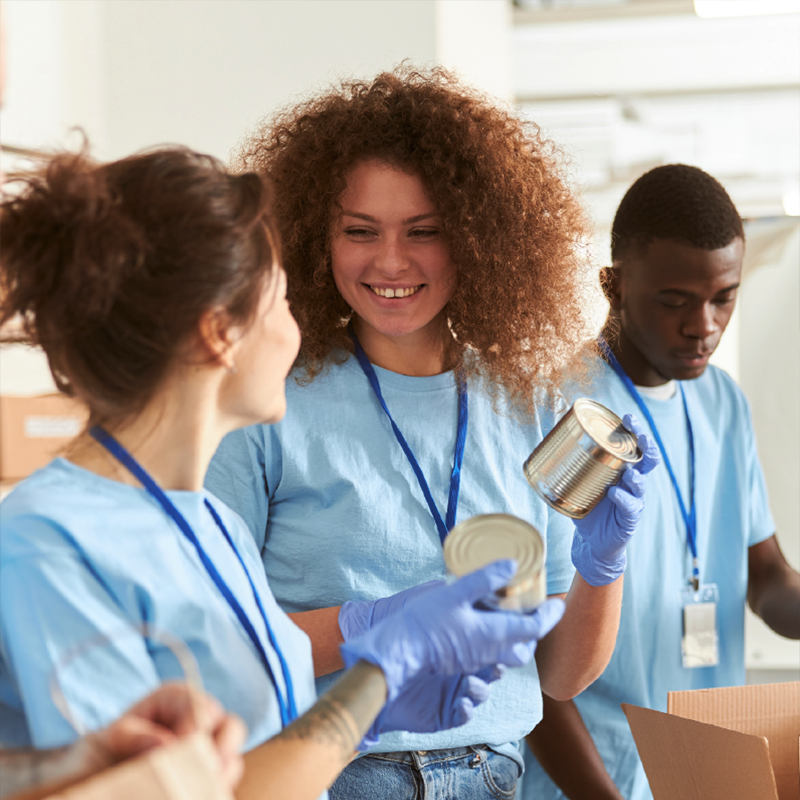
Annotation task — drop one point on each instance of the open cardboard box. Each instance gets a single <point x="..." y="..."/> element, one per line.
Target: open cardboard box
<point x="736" y="743"/>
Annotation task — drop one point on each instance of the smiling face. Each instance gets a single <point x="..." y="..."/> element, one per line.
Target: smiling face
<point x="389" y="259"/>
<point x="673" y="302"/>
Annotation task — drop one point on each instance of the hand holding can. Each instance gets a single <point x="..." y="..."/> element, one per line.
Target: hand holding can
<point x="584" y="455"/>
<point x="487" y="537"/>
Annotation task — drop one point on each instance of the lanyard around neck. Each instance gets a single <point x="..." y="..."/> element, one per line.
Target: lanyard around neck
<point x="690" y="516"/>
<point x="443" y="528"/>
<point x="287" y="706"/>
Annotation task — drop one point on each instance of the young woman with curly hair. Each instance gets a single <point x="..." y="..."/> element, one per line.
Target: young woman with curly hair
<point x="436" y="268"/>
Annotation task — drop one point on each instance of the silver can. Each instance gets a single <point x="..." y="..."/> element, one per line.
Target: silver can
<point x="479" y="541"/>
<point x="581" y="458"/>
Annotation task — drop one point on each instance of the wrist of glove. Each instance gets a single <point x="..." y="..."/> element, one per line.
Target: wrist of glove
<point x="598" y="546"/>
<point x="356" y="617"/>
<point x="596" y="571"/>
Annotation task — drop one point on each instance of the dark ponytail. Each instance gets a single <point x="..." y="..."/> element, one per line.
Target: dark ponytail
<point x="110" y="267"/>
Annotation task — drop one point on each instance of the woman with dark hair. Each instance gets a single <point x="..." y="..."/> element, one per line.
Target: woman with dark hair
<point x="436" y="266"/>
<point x="154" y="286"/>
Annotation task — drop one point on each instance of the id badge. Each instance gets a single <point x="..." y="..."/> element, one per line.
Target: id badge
<point x="700" y="642"/>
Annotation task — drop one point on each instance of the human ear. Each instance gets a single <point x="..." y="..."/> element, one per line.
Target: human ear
<point x="217" y="337"/>
<point x="610" y="282"/>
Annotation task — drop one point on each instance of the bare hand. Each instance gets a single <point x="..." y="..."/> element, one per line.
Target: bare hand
<point x="172" y="711"/>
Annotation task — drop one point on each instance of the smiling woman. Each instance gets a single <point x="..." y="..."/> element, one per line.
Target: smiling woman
<point x="434" y="259"/>
<point x="504" y="217"/>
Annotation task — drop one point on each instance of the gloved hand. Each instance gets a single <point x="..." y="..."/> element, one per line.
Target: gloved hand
<point x="433" y="703"/>
<point x="598" y="546"/>
<point x="358" y="616"/>
<point x="441" y="633"/>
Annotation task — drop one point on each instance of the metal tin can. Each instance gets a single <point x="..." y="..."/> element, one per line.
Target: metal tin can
<point x="479" y="541"/>
<point x="581" y="458"/>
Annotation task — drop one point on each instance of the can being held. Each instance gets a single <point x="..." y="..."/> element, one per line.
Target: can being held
<point x="479" y="541"/>
<point x="581" y="458"/>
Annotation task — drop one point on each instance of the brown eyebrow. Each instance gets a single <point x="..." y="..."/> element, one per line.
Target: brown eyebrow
<point x="409" y="221"/>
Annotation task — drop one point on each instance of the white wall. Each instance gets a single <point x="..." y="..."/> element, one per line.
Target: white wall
<point x="201" y="73"/>
<point x="475" y="39"/>
<point x="135" y="74"/>
<point x="769" y="362"/>
<point x="52" y="71"/>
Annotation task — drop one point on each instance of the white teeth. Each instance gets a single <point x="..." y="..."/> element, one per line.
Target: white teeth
<point x="395" y="292"/>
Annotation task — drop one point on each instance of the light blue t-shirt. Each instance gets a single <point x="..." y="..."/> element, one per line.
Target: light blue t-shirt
<point x="338" y="514"/>
<point x="82" y="556"/>
<point x="732" y="515"/>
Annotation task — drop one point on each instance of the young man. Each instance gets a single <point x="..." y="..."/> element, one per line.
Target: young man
<point x="677" y="247"/>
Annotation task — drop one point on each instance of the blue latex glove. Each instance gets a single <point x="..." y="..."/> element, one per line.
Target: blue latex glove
<point x="433" y="703"/>
<point x="358" y="616"/>
<point x="598" y="546"/>
<point x="441" y="633"/>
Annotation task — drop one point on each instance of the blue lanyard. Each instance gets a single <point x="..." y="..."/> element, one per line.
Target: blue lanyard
<point x="458" y="457"/>
<point x="689" y="517"/>
<point x="287" y="706"/>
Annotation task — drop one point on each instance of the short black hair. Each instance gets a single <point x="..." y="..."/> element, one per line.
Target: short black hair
<point x="675" y="201"/>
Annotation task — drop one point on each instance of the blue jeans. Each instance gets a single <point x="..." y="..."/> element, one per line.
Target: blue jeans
<point x="462" y="773"/>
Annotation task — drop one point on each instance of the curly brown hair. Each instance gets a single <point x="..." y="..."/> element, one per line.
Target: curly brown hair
<point x="514" y="229"/>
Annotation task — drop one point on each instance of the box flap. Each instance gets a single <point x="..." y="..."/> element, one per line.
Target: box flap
<point x="771" y="710"/>
<point x="688" y="760"/>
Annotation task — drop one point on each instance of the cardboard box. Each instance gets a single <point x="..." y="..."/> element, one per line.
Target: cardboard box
<point x="737" y="743"/>
<point x="34" y="429"/>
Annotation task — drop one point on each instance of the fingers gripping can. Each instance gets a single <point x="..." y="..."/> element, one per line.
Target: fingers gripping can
<point x="581" y="458"/>
<point x="479" y="541"/>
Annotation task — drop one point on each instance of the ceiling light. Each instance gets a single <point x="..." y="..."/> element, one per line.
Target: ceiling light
<point x="710" y="9"/>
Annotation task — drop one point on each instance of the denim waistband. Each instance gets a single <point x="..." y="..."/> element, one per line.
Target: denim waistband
<point x="421" y="758"/>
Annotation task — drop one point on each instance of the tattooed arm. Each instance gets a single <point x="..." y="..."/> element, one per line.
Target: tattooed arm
<point x="305" y="759"/>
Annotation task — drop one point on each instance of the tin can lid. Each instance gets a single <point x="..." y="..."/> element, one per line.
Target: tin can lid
<point x="606" y="429"/>
<point x="479" y="541"/>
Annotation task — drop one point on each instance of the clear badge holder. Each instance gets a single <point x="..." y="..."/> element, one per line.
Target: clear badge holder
<point x="700" y="639"/>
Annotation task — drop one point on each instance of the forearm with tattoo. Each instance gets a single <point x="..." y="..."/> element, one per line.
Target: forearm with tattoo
<point x="344" y="713"/>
